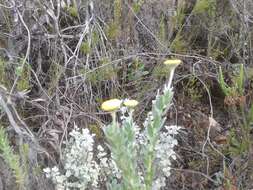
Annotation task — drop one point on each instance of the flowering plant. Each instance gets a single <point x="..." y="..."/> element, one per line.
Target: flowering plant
<point x="143" y="157"/>
<point x="138" y="159"/>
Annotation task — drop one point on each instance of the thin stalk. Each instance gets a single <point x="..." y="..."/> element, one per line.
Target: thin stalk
<point x="114" y="120"/>
<point x="171" y="77"/>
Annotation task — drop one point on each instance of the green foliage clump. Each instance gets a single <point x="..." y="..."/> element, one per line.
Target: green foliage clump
<point x="239" y="139"/>
<point x="179" y="45"/>
<point x="104" y="71"/>
<point x="178" y="18"/>
<point x="73" y="11"/>
<point x="94" y="38"/>
<point x="85" y="47"/>
<point x="24" y="77"/>
<point x="237" y="145"/>
<point x="113" y="28"/>
<point x="2" y="71"/>
<point x="216" y="51"/>
<point x="4" y="74"/>
<point x="162" y="29"/>
<point x="193" y="89"/>
<point x="160" y="71"/>
<point x="188" y="35"/>
<point x="12" y="160"/>
<point x="237" y="88"/>
<point x="204" y="6"/>
<point x="137" y="5"/>
<point x="92" y="41"/>
<point x="54" y="73"/>
<point x="117" y="10"/>
<point x="136" y="70"/>
<point x="250" y="116"/>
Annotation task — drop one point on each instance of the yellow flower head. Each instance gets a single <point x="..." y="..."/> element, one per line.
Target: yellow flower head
<point x="111" y="105"/>
<point x="173" y="63"/>
<point x="130" y="103"/>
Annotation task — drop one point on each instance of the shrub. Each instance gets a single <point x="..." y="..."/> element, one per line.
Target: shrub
<point x="139" y="159"/>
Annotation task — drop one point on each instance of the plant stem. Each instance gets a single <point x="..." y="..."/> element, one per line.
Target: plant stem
<point x="171" y="77"/>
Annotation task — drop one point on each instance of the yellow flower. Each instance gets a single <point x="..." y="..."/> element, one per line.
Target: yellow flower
<point x="172" y="62"/>
<point x="111" y="105"/>
<point x="131" y="103"/>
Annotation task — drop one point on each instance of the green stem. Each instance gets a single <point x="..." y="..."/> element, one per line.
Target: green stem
<point x="149" y="175"/>
<point x="114" y="120"/>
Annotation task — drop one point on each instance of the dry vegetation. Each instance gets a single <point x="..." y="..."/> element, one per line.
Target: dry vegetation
<point x="60" y="59"/>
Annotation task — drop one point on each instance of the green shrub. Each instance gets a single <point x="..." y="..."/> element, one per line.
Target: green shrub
<point x="239" y="140"/>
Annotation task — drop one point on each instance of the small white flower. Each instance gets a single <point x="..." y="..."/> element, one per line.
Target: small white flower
<point x="173" y="129"/>
<point x="55" y="169"/>
<point x="47" y="170"/>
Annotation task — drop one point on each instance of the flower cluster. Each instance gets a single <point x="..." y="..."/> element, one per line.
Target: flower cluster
<point x="115" y="104"/>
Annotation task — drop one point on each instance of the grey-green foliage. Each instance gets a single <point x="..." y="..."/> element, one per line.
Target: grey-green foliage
<point x="122" y="144"/>
<point x="12" y="160"/>
<point x="85" y="165"/>
<point x="155" y="122"/>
